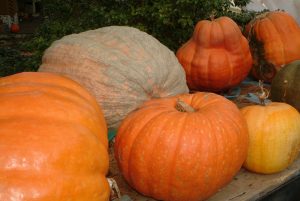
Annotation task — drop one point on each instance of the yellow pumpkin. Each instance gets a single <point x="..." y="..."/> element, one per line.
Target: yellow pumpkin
<point x="274" y="137"/>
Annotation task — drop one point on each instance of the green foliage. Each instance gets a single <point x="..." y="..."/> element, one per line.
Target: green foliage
<point x="170" y="21"/>
<point x="14" y="61"/>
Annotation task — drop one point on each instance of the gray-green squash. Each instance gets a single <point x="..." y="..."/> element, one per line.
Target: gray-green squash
<point x="121" y="66"/>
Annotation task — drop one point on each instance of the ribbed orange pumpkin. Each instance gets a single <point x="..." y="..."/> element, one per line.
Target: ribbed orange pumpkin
<point x="167" y="153"/>
<point x="217" y="57"/>
<point x="53" y="140"/>
<point x="275" y="41"/>
<point x="274" y="132"/>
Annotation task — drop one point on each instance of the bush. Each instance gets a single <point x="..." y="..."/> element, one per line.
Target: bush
<point x="170" y="21"/>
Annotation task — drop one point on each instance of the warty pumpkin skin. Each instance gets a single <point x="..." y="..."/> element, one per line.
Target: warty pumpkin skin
<point x="274" y="39"/>
<point x="53" y="140"/>
<point x="285" y="86"/>
<point x="274" y="137"/>
<point x="217" y="57"/>
<point x="171" y="155"/>
<point x="121" y="66"/>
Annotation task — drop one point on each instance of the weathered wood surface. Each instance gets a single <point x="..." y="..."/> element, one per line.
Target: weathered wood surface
<point x="245" y="186"/>
<point x="248" y="186"/>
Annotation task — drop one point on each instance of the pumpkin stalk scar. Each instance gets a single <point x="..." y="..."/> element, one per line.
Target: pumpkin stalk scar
<point x="182" y="106"/>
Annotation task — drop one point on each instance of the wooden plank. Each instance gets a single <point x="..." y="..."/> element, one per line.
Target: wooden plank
<point x="248" y="186"/>
<point x="245" y="186"/>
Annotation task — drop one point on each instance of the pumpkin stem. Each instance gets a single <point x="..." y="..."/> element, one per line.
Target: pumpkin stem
<point x="115" y="192"/>
<point x="212" y="15"/>
<point x="264" y="93"/>
<point x="181" y="106"/>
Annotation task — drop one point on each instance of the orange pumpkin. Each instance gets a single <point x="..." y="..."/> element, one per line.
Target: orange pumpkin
<point x="53" y="140"/>
<point x="275" y="41"/>
<point x="274" y="132"/>
<point x="15" y="28"/>
<point x="217" y="57"/>
<point x="182" y="150"/>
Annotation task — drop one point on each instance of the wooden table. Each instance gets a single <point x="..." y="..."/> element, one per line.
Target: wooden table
<point x="248" y="186"/>
<point x="245" y="186"/>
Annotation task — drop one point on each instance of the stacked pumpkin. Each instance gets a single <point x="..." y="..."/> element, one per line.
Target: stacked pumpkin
<point x="274" y="128"/>
<point x="124" y="71"/>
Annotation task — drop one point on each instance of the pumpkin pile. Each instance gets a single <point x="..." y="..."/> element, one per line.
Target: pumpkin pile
<point x="171" y="145"/>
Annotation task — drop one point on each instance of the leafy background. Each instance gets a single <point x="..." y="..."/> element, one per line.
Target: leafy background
<point x="170" y="21"/>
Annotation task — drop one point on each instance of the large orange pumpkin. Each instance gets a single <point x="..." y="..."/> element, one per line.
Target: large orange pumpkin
<point x="53" y="140"/>
<point x="121" y="66"/>
<point x="275" y="41"/>
<point x="217" y="57"/>
<point x="274" y="132"/>
<point x="182" y="148"/>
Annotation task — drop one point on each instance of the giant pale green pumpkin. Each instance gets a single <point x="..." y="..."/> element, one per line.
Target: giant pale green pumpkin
<point x="53" y="140"/>
<point x="121" y="66"/>
<point x="285" y="86"/>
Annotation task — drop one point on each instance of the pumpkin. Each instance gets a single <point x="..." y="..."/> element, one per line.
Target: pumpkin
<point x="274" y="137"/>
<point x="121" y="66"/>
<point x="274" y="39"/>
<point x="181" y="148"/>
<point x="53" y="140"/>
<point x="285" y="86"/>
<point x="217" y="56"/>
<point x="14" y="28"/>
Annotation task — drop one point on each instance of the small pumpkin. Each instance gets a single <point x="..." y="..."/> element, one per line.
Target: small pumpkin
<point x="181" y="148"/>
<point x="121" y="66"/>
<point x="274" y="39"/>
<point x="274" y="137"/>
<point x="53" y="140"/>
<point x="217" y="57"/>
<point x="285" y="86"/>
<point x="14" y="28"/>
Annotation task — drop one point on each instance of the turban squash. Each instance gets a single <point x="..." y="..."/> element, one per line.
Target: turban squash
<point x="121" y="66"/>
<point x="181" y="148"/>
<point x="53" y="140"/>
<point x="274" y="39"/>
<point x="217" y="57"/>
